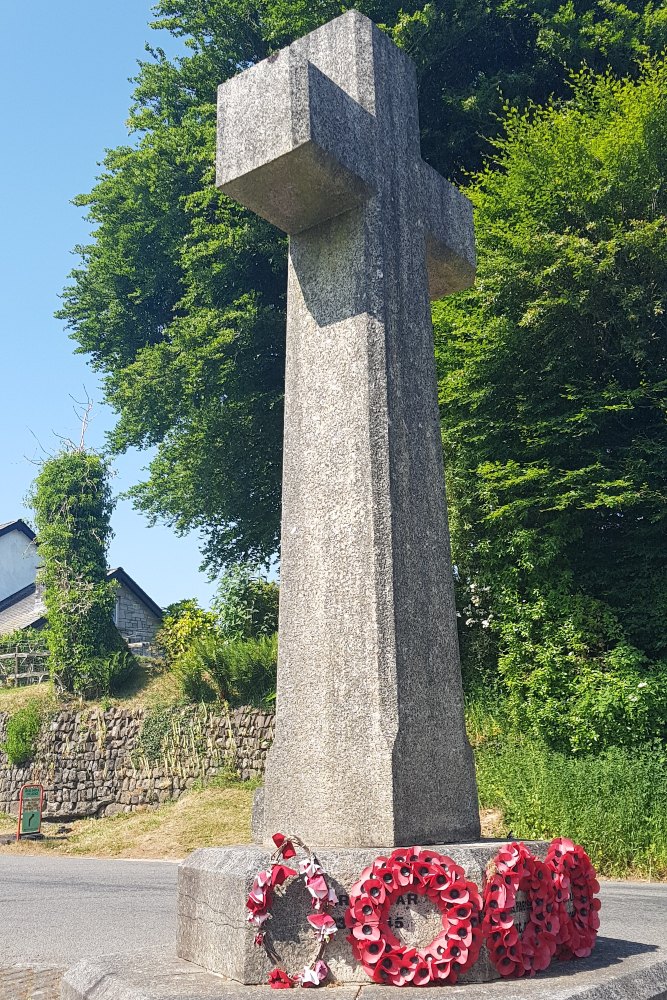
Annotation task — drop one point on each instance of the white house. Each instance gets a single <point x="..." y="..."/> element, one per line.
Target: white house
<point x="18" y="557"/>
<point x="136" y="615"/>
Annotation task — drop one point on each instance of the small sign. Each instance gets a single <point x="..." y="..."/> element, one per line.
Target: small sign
<point x="31" y="801"/>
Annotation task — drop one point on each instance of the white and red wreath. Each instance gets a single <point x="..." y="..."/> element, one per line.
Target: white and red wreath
<point x="576" y="887"/>
<point x="515" y="948"/>
<point x="268" y="883"/>
<point x="384" y="957"/>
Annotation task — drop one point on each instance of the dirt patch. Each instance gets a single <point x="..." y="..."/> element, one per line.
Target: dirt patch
<point x="493" y="823"/>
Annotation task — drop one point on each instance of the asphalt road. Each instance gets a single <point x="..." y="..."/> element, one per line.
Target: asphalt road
<point x="55" y="911"/>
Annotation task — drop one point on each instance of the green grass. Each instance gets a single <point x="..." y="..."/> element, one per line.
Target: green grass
<point x="613" y="803"/>
<point x="150" y="684"/>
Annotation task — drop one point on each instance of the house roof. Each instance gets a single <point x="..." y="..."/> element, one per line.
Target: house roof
<point x="18" y="525"/>
<point x="125" y="579"/>
<point x="20" y="611"/>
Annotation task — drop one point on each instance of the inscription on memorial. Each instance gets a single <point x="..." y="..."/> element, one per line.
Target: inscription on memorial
<point x="521" y="911"/>
<point x="413" y="918"/>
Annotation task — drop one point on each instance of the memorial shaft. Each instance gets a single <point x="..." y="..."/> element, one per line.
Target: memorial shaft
<point x="370" y="746"/>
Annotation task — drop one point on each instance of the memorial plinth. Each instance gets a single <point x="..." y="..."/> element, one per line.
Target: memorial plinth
<point x="212" y="930"/>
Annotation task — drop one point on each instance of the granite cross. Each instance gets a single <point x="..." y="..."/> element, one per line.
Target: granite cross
<point x="322" y="139"/>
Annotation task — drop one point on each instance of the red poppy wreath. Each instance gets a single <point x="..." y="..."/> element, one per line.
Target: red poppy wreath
<point x="386" y="959"/>
<point x="576" y="886"/>
<point x="517" y="948"/>
<point x="268" y="883"/>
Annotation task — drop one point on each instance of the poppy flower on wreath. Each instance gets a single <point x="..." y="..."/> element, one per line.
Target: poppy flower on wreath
<point x="313" y="975"/>
<point x="285" y="846"/>
<point x="520" y="946"/>
<point x="279" y="980"/>
<point x="268" y="883"/>
<point x="576" y="888"/>
<point x="383" y="956"/>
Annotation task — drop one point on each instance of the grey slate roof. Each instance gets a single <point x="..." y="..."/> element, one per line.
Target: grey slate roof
<point x="21" y="610"/>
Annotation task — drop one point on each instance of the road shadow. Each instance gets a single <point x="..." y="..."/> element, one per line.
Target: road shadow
<point x="607" y="952"/>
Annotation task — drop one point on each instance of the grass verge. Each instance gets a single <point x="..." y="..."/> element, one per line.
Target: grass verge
<point x="149" y="685"/>
<point x="615" y="803"/>
<point x="210" y="817"/>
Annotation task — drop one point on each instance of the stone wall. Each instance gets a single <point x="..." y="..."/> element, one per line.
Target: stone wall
<point x="97" y="763"/>
<point x="134" y="621"/>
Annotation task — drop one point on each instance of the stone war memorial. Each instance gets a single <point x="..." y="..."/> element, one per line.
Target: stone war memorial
<point x="370" y="765"/>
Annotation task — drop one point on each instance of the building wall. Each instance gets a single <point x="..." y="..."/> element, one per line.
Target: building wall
<point x="18" y="563"/>
<point x="134" y="621"/>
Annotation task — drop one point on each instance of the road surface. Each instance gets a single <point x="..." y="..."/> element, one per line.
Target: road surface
<point x="54" y="911"/>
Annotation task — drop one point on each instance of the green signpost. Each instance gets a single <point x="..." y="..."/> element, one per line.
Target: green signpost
<point x="30" y="811"/>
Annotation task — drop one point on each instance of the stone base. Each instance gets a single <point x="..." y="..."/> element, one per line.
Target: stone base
<point x="616" y="970"/>
<point x="213" y="932"/>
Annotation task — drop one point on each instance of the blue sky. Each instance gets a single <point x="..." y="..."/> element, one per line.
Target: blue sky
<point x="64" y="70"/>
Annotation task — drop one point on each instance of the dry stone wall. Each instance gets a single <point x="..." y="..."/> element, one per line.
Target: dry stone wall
<point x="97" y="763"/>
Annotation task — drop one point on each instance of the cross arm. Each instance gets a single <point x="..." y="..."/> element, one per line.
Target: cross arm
<point x="450" y="234"/>
<point x="292" y="146"/>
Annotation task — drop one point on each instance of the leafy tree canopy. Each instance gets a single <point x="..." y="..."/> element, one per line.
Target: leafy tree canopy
<point x="179" y="298"/>
<point x="554" y="396"/>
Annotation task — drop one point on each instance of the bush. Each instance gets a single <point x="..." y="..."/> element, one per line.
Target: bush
<point x="614" y="803"/>
<point x="576" y="689"/>
<point x="182" y="625"/>
<point x="246" y="604"/>
<point x="22" y="731"/>
<point x="103" y="675"/>
<point x="239" y="671"/>
<point x="191" y="676"/>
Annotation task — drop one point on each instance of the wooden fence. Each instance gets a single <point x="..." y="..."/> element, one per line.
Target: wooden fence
<point x="21" y="666"/>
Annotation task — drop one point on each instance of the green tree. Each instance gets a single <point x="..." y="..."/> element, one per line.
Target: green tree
<point x="246" y="604"/>
<point x="180" y="297"/>
<point x="554" y="398"/>
<point x="72" y="502"/>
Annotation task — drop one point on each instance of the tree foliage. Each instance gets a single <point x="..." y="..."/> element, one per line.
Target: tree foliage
<point x="72" y="502"/>
<point x="246" y="604"/>
<point x="554" y="397"/>
<point x="180" y="297"/>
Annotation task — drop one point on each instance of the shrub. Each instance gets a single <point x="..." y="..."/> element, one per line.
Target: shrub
<point x="246" y="604"/>
<point x="574" y="687"/>
<point x="73" y="505"/>
<point x="240" y="671"/>
<point x="22" y="731"/>
<point x="190" y="673"/>
<point x="184" y="623"/>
